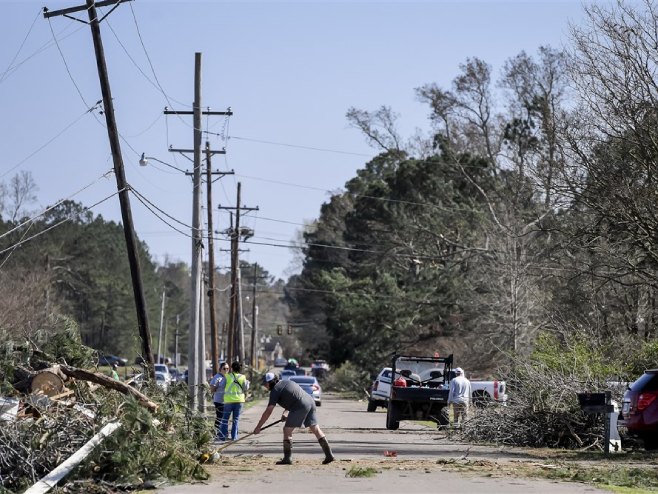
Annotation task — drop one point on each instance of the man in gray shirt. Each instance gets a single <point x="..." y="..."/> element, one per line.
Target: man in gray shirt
<point x="301" y="411"/>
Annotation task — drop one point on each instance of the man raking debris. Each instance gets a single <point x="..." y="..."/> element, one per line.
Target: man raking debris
<point x="300" y="408"/>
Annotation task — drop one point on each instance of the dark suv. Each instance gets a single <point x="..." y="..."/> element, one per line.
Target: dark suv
<point x="639" y="412"/>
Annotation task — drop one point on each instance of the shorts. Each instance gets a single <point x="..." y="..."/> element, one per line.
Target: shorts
<point x="302" y="416"/>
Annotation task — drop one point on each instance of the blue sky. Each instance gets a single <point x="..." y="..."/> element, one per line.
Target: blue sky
<point x="288" y="70"/>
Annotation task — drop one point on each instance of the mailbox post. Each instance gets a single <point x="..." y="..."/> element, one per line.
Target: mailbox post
<point x="601" y="403"/>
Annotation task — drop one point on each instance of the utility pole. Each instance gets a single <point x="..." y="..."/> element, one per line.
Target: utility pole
<point x="235" y="347"/>
<point x="254" y="321"/>
<point x="196" y="339"/>
<point x="211" y="262"/>
<point x="119" y="173"/>
<point x="176" y="335"/>
<point x="162" y="308"/>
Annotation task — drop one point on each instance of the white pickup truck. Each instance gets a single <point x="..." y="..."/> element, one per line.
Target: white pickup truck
<point x="482" y="392"/>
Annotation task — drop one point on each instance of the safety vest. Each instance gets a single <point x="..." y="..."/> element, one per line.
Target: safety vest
<point x="234" y="392"/>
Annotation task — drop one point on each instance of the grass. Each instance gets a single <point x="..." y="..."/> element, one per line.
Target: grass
<point x="359" y="472"/>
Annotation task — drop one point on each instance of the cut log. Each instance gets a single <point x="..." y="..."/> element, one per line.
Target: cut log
<point x="109" y="382"/>
<point x="47" y="383"/>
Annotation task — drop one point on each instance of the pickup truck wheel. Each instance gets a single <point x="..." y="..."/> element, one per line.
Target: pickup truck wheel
<point x="650" y="442"/>
<point x="481" y="399"/>
<point x="392" y="417"/>
<point x="372" y="405"/>
<point x="444" y="418"/>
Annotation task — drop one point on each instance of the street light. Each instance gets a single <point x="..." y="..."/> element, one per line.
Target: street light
<point x="144" y="161"/>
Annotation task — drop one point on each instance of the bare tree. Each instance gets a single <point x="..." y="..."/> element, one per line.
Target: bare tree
<point x="20" y="192"/>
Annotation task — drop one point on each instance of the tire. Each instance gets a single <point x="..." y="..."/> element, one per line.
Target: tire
<point x="650" y="441"/>
<point x="481" y="399"/>
<point x="318" y="403"/>
<point x="444" y="418"/>
<point x="392" y="417"/>
<point x="372" y="405"/>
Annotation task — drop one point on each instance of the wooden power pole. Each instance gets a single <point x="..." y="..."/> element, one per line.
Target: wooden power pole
<point x="119" y="173"/>
<point x="196" y="357"/>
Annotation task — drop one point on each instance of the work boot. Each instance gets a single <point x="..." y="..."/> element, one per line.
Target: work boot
<point x="287" y="453"/>
<point x="328" y="455"/>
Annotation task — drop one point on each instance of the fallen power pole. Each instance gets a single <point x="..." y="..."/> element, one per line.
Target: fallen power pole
<point x="119" y="173"/>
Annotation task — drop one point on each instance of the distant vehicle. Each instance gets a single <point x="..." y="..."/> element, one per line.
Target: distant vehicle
<point x="183" y="377"/>
<point x="280" y="362"/>
<point x="639" y="410"/>
<point x="164" y="370"/>
<point x="176" y="375"/>
<point x="111" y="360"/>
<point x="311" y="385"/>
<point x="320" y="364"/>
<point x="380" y="390"/>
<point x="287" y="374"/>
<point x="162" y="380"/>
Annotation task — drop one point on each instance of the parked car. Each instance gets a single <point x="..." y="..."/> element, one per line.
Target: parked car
<point x="111" y="360"/>
<point x="380" y="390"/>
<point x="209" y="375"/>
<point x="176" y="375"/>
<point x="280" y="362"/>
<point x="639" y="409"/>
<point x="164" y="370"/>
<point x="162" y="380"/>
<point x="287" y="374"/>
<point x="311" y="385"/>
<point x="320" y="364"/>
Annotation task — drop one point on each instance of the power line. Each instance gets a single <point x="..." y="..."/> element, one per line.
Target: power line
<point x="311" y="148"/>
<point x="89" y="110"/>
<point x="12" y="68"/>
<point x="2" y="76"/>
<point x="25" y="240"/>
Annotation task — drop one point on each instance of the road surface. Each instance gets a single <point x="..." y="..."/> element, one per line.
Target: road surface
<point x="425" y="460"/>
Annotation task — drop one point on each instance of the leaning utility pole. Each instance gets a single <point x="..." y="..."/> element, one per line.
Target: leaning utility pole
<point x="196" y="338"/>
<point x="122" y="184"/>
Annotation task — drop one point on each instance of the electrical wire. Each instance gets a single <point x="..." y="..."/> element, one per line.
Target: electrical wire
<point x="311" y="148"/>
<point x="23" y="241"/>
<point x="89" y="110"/>
<point x="42" y="213"/>
<point x="152" y="208"/>
<point x="11" y="69"/>
<point x="2" y="76"/>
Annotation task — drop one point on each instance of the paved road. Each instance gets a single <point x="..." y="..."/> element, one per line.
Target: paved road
<point x="425" y="460"/>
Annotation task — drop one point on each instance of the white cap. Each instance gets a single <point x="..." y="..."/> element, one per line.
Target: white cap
<point x="268" y="377"/>
<point x="459" y="370"/>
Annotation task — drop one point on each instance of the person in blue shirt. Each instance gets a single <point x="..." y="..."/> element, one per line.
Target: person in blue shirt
<point x="217" y="383"/>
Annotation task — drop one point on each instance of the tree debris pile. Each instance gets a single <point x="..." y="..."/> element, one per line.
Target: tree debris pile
<point x="543" y="409"/>
<point x="158" y="437"/>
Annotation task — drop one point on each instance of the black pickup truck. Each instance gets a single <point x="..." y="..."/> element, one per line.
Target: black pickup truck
<point x="419" y="389"/>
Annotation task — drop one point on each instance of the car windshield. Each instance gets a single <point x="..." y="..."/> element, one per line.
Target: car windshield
<point x="303" y="380"/>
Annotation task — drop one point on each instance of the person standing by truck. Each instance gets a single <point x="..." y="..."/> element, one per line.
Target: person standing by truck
<point x="300" y="411"/>
<point x="459" y="396"/>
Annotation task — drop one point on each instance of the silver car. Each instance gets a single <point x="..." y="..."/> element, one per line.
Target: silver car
<point x="311" y="385"/>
